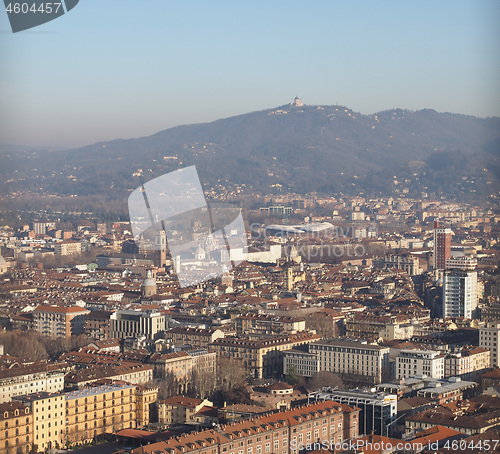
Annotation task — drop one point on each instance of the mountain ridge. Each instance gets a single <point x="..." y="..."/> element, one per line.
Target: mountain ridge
<point x="302" y="149"/>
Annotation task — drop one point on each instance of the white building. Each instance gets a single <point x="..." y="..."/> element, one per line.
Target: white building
<point x="461" y="263"/>
<point x="467" y="363"/>
<point x="489" y="338"/>
<point x="420" y="362"/>
<point x="270" y="256"/>
<point x="41" y="227"/>
<point x="68" y="247"/>
<point x="460" y="295"/>
<point x="32" y="378"/>
<point x="300" y="363"/>
<point x="353" y="360"/>
<point x="133" y="324"/>
<point x="396" y="330"/>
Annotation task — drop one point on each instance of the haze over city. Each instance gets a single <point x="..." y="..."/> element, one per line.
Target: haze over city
<point x="124" y="68"/>
<point x="310" y="264"/>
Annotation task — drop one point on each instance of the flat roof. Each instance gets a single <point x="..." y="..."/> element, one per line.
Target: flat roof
<point x="349" y="343"/>
<point x="95" y="390"/>
<point x="36" y="396"/>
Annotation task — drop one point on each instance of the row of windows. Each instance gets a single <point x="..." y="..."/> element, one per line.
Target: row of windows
<point x="16" y="423"/>
<point x="17" y="432"/>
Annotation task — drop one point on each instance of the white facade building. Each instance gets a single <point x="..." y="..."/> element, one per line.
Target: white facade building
<point x="33" y="378"/>
<point x="133" y="324"/>
<point x="489" y="338"/>
<point x="461" y="263"/>
<point x="353" y="360"/>
<point x="300" y="363"/>
<point x="460" y="295"/>
<point x="420" y="362"/>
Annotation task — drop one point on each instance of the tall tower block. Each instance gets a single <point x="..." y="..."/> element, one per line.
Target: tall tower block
<point x="161" y="248"/>
<point x="442" y="246"/>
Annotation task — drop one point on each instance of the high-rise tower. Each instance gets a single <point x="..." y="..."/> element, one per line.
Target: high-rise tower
<point x="459" y="293"/>
<point x="442" y="246"/>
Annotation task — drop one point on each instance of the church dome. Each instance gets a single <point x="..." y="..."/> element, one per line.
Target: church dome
<point x="149" y="282"/>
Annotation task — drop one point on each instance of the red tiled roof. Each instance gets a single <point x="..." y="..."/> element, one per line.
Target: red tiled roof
<point x="60" y="309"/>
<point x="433" y="434"/>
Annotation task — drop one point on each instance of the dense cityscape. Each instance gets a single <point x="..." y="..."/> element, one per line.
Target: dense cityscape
<point x="251" y="227"/>
<point x="352" y="320"/>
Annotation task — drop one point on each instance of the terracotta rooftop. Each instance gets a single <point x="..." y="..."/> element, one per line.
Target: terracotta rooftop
<point x="435" y="433"/>
<point x="61" y="309"/>
<point x="238" y="430"/>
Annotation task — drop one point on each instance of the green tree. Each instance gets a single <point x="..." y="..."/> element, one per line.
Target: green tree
<point x="292" y="377"/>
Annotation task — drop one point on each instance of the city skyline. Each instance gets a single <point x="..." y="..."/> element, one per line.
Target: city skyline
<point x="116" y="70"/>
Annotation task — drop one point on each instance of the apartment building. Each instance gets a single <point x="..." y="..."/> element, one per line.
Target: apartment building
<point x="363" y="326"/>
<point x="180" y="410"/>
<point x="131" y="372"/>
<point x="132" y="324"/>
<point x="405" y="262"/>
<point x="460" y="295"/>
<point x="62" y="420"/>
<point x="146" y="401"/>
<point x="489" y="338"/>
<point x="464" y="262"/>
<point x="100" y="410"/>
<point x="59" y="321"/>
<point x="180" y="364"/>
<point x="442" y="246"/>
<point x="284" y="432"/>
<point x="468" y="363"/>
<point x="262" y="358"/>
<point x="177" y="365"/>
<point x="395" y="330"/>
<point x="195" y="337"/>
<point x="300" y="363"/>
<point x="204" y="362"/>
<point x="16" y="424"/>
<point x="67" y="247"/>
<point x="265" y="324"/>
<point x="98" y="325"/>
<point x="49" y="418"/>
<point x="354" y="361"/>
<point x="31" y="378"/>
<point x="464" y="417"/>
<point x="42" y="227"/>
<point x="420" y="362"/>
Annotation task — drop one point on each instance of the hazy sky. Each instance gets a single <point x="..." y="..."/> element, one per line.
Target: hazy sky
<point x="128" y="68"/>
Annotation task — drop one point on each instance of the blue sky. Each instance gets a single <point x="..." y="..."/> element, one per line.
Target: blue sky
<point x="129" y="68"/>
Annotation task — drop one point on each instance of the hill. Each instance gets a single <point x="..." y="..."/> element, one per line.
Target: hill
<point x="325" y="149"/>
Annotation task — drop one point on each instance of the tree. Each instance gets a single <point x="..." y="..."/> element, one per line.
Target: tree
<point x="231" y="382"/>
<point x="167" y="386"/>
<point x="324" y="378"/>
<point x="231" y="373"/>
<point x="291" y="376"/>
<point x="25" y="345"/>
<point x="203" y="383"/>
